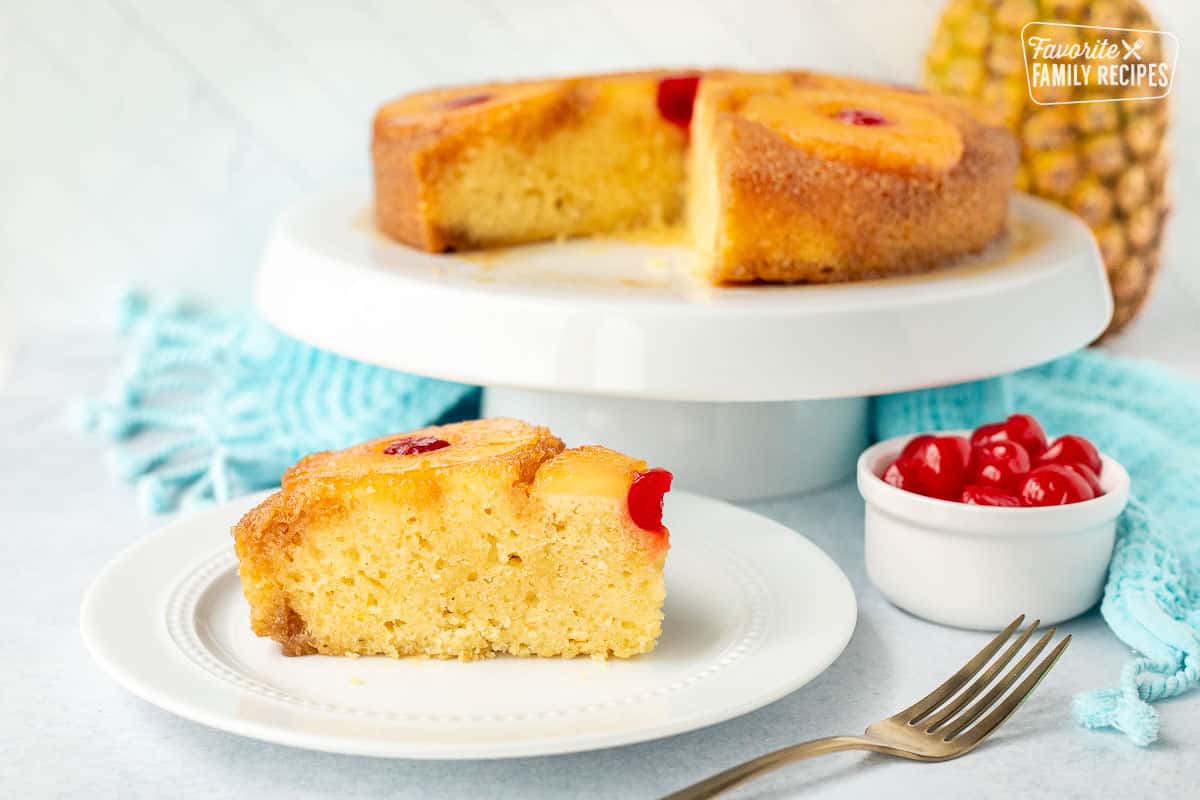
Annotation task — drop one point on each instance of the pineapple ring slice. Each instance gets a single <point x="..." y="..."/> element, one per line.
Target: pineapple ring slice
<point x="913" y="136"/>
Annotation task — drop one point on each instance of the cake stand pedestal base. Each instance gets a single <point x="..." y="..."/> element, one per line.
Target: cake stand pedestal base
<point x="736" y="451"/>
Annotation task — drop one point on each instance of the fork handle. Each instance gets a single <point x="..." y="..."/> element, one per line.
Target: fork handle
<point x="711" y="787"/>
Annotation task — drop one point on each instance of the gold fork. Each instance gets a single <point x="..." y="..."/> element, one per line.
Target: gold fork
<point x="932" y="729"/>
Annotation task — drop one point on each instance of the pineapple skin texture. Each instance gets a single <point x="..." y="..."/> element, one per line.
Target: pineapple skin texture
<point x="1107" y="162"/>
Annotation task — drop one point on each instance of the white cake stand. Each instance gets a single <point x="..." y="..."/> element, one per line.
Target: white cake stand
<point x="743" y="392"/>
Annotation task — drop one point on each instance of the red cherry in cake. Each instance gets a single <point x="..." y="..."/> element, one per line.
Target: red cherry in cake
<point x="676" y="98"/>
<point x="1054" y="485"/>
<point x="1072" y="449"/>
<point x="466" y="100"/>
<point x="645" y="498"/>
<point x="1002" y="464"/>
<point x="860" y="116"/>
<point x="976" y="495"/>
<point x="1020" y="428"/>
<point x="411" y="445"/>
<point x="941" y="466"/>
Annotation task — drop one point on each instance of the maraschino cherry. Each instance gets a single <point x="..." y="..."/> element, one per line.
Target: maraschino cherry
<point x="1054" y="485"/>
<point x="940" y="465"/>
<point x="1072" y="449"/>
<point x="676" y="98"/>
<point x="860" y="116"/>
<point x="1003" y="464"/>
<point x="976" y="495"/>
<point x="411" y="445"/>
<point x="1089" y="477"/>
<point x="645" y="498"/>
<point x="1020" y="428"/>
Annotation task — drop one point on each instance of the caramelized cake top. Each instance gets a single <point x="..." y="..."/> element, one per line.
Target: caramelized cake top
<point x="480" y="442"/>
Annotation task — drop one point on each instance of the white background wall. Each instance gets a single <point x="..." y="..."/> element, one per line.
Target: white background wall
<point x="153" y="141"/>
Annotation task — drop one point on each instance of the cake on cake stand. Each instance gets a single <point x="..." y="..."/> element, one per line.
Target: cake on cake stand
<point x="743" y="392"/>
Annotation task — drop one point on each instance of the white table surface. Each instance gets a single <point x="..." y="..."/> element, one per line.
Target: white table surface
<point x="68" y="730"/>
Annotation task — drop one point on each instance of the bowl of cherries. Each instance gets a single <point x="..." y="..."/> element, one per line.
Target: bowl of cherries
<point x="971" y="528"/>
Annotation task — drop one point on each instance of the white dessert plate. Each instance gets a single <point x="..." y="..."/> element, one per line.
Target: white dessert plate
<point x="754" y="611"/>
<point x="628" y="319"/>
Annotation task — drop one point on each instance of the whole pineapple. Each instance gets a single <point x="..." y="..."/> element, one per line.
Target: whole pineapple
<point x="1105" y="161"/>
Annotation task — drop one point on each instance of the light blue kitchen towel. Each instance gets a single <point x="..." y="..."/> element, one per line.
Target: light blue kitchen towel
<point x="1148" y="419"/>
<point x="212" y="405"/>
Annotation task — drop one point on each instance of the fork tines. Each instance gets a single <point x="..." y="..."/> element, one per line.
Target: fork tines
<point x="942" y="710"/>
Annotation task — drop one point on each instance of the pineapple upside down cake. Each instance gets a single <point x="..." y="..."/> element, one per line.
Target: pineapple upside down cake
<point x="791" y="177"/>
<point x="460" y="541"/>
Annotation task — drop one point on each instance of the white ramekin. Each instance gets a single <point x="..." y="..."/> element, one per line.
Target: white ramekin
<point x="980" y="566"/>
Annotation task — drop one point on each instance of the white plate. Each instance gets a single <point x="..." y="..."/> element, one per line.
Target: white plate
<point x="754" y="611"/>
<point x="628" y="320"/>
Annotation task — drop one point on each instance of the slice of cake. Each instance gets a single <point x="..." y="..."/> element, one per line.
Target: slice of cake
<point x="460" y="541"/>
<point x="814" y="179"/>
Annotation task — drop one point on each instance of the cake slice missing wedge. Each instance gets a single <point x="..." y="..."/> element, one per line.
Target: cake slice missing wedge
<point x="460" y="541"/>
